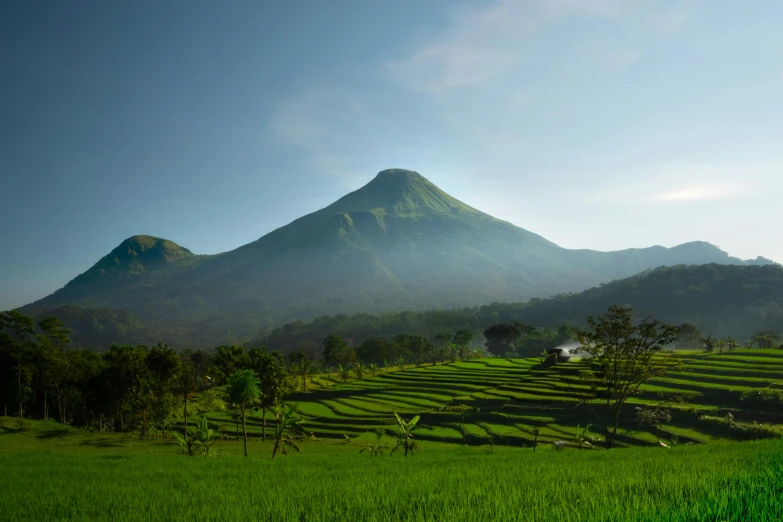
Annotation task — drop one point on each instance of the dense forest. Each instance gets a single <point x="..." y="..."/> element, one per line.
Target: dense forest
<point x="723" y="300"/>
<point x="136" y="387"/>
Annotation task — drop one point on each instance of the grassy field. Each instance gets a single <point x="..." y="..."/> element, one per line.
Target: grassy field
<point x="55" y="474"/>
<point x="477" y="464"/>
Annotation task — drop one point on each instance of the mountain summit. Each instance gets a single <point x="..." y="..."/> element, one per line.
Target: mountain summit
<point x="399" y="242"/>
<point x="401" y="193"/>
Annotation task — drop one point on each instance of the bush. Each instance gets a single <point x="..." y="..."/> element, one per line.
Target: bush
<point x="738" y="430"/>
<point x="763" y="397"/>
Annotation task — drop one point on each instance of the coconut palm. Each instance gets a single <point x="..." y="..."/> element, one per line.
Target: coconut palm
<point x="243" y="389"/>
<point x="731" y="343"/>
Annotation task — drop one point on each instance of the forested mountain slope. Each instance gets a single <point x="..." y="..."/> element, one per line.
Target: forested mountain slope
<point x="397" y="243"/>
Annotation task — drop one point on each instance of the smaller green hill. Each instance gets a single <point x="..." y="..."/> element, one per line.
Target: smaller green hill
<point x="134" y="256"/>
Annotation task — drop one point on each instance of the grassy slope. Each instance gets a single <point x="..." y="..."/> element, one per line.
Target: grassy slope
<point x="510" y="398"/>
<point x="80" y="476"/>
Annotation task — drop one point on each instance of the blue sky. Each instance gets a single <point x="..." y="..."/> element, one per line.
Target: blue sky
<point x="605" y="124"/>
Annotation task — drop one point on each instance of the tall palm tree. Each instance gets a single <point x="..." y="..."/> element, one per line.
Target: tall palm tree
<point x="243" y="389"/>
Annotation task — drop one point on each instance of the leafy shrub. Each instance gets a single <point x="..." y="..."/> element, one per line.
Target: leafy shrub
<point x="739" y="430"/>
<point x="763" y="397"/>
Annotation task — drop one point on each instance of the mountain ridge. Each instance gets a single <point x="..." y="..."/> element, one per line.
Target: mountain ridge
<point x="399" y="242"/>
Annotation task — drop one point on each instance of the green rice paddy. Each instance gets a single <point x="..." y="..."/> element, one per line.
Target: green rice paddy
<point x="475" y="463"/>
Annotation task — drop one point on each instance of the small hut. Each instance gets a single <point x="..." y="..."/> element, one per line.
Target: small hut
<point x="562" y="354"/>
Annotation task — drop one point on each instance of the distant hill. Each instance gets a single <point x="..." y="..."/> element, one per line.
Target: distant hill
<point x="722" y="300"/>
<point x="397" y="243"/>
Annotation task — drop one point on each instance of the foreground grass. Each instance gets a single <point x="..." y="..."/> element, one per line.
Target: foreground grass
<point x="87" y="477"/>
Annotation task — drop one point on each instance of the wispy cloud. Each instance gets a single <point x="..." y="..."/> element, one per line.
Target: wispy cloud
<point x="323" y="123"/>
<point x="694" y="193"/>
<point x="485" y="44"/>
<point x="692" y="182"/>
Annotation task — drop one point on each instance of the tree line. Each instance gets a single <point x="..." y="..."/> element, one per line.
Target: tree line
<point x="149" y="389"/>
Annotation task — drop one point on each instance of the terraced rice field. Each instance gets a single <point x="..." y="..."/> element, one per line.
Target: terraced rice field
<point x="508" y="399"/>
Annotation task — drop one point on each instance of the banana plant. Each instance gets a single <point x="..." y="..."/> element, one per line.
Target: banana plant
<point x="289" y="427"/>
<point x="359" y="369"/>
<point x="347" y="439"/>
<point x="375" y="449"/>
<point x="581" y="438"/>
<point x="345" y="372"/>
<point x="405" y="435"/>
<point x="373" y="369"/>
<point x="200" y="441"/>
<point x="536" y="433"/>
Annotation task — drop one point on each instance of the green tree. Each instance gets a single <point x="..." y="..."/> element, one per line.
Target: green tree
<point x="442" y="341"/>
<point x="271" y="372"/>
<point x="419" y="347"/>
<point x="501" y="338"/>
<point x="336" y="350"/>
<point x="187" y="382"/>
<point x="372" y="350"/>
<point x="401" y="347"/>
<point x="243" y="389"/>
<point x="53" y="361"/>
<point x="129" y="381"/>
<point x="766" y="339"/>
<point x="302" y="363"/>
<point x="19" y="329"/>
<point x="227" y="360"/>
<point x="689" y="336"/>
<point x="653" y="417"/>
<point x="623" y="356"/>
<point x="165" y="366"/>
<point x="463" y="339"/>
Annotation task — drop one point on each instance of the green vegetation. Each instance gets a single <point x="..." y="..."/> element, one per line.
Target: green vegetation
<point x="496" y="430"/>
<point x="398" y="243"/>
<point x="113" y="477"/>
<point x="721" y="300"/>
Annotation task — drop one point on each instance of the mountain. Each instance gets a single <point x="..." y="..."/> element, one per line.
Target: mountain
<point x="721" y="300"/>
<point x="397" y="243"/>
